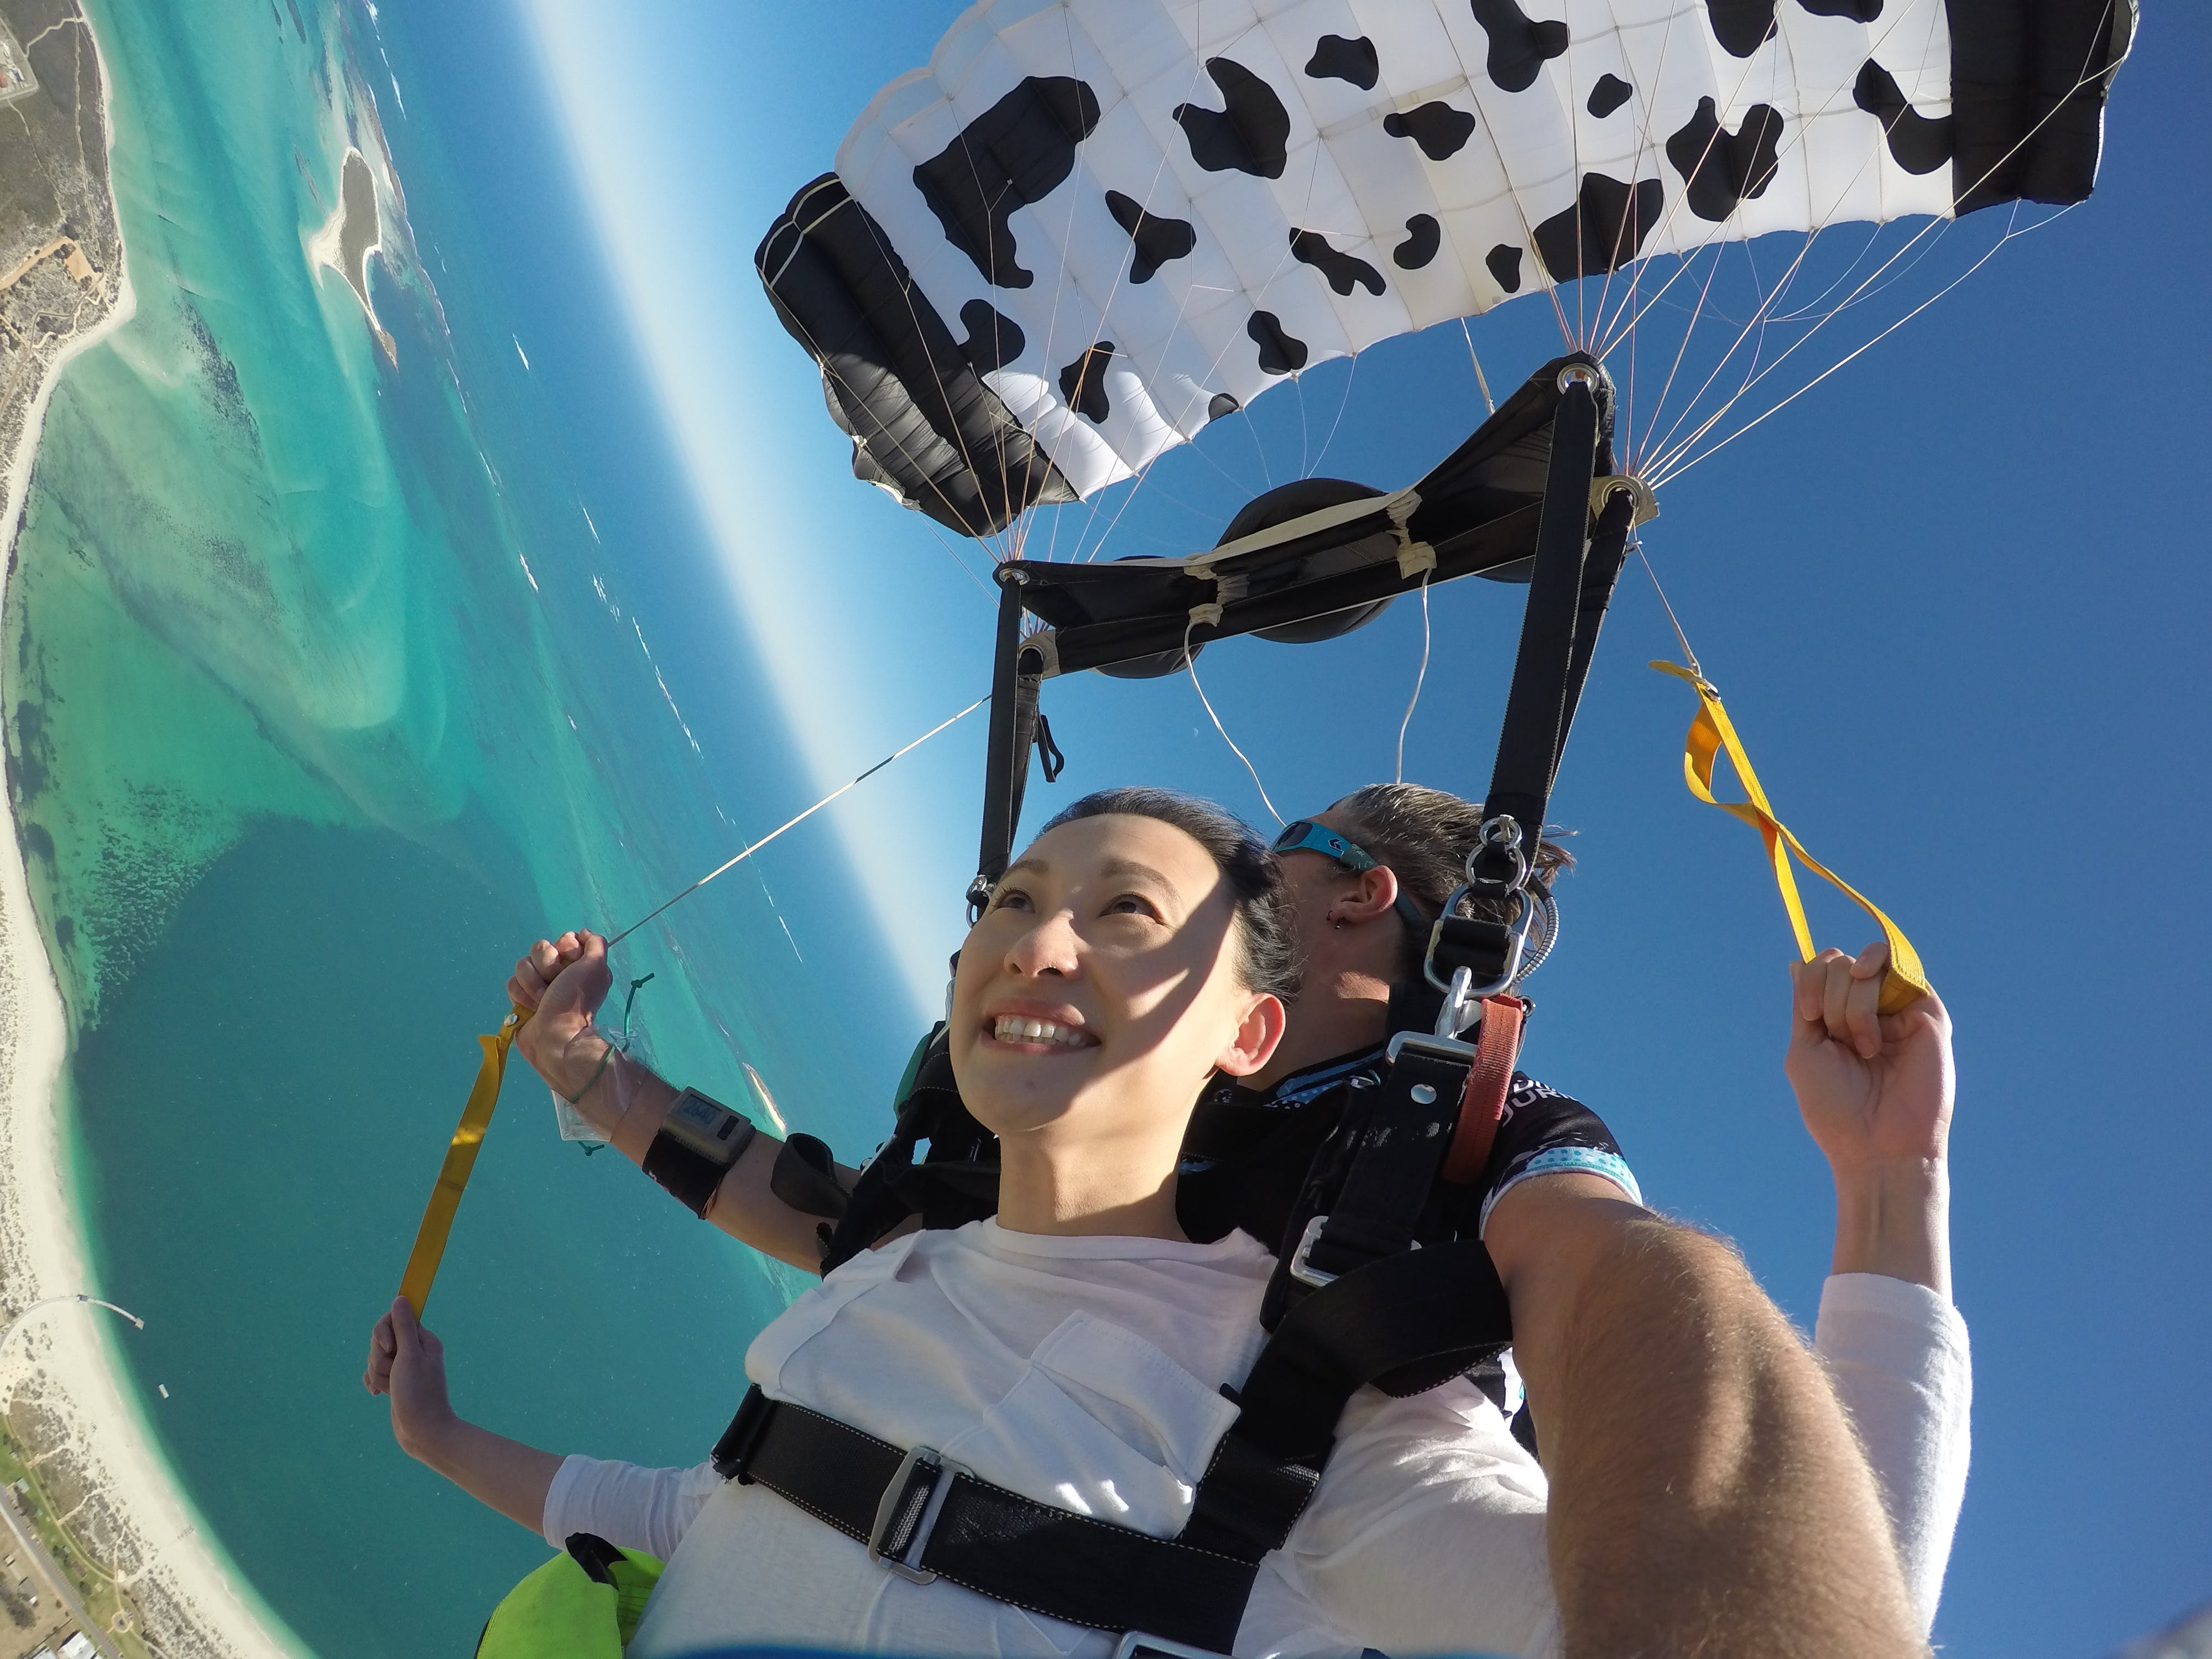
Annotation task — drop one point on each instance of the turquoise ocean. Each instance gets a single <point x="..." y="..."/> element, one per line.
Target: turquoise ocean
<point x="332" y="681"/>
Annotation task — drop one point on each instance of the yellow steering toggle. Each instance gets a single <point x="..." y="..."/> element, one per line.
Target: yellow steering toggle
<point x="1710" y="733"/>
<point x="460" y="1160"/>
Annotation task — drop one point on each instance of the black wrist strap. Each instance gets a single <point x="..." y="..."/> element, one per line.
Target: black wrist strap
<point x="700" y="1141"/>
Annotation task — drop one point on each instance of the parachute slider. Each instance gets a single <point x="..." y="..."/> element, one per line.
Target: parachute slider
<point x="1327" y="569"/>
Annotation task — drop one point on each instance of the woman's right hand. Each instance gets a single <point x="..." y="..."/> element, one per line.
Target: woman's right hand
<point x="563" y="981"/>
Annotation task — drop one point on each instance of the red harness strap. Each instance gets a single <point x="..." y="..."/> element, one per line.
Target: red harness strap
<point x="1488" y="1080"/>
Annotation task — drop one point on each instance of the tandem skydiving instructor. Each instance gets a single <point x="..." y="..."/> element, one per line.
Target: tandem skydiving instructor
<point x="1047" y="1429"/>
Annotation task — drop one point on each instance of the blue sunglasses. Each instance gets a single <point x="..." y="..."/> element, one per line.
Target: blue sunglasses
<point x="1304" y="836"/>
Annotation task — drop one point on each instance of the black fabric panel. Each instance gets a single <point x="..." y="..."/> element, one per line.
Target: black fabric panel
<point x="1424" y="236"/>
<point x="1342" y="272"/>
<point x="1157" y="238"/>
<point x="1441" y="130"/>
<point x="1519" y="48"/>
<point x="1346" y="58"/>
<point x="1722" y="168"/>
<point x="920" y="416"/>
<point x="1017" y="152"/>
<point x="1603" y="231"/>
<point x="1250" y="135"/>
<point x="2028" y="80"/>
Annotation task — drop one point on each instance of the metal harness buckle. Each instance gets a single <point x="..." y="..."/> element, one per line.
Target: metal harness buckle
<point x="1136" y="1642"/>
<point x="1302" y="1268"/>
<point x="906" y="1513"/>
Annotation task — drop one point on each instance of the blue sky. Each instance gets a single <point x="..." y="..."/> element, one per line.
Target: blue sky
<point x="1955" y="599"/>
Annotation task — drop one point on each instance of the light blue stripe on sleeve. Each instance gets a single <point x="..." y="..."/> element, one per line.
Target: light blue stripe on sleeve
<point x="1561" y="1160"/>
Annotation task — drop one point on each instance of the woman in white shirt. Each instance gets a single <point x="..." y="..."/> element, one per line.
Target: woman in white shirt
<point x="1078" y="1350"/>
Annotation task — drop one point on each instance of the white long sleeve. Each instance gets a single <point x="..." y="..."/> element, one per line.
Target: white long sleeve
<point x="1897" y="1354"/>
<point x="634" y="1508"/>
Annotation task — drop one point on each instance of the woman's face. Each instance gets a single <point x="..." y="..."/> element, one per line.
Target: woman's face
<point x="1100" y="990"/>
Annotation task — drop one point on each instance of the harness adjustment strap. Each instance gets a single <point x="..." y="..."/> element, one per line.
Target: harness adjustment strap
<point x="926" y="1517"/>
<point x="1482" y="1105"/>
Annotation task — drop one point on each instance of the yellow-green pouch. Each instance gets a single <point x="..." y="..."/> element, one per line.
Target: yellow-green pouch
<point x="584" y="1603"/>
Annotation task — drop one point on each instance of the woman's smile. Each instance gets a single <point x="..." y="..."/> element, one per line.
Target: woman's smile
<point x="1036" y="1028"/>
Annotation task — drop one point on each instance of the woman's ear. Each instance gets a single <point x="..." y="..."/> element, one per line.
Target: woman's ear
<point x="1257" y="1034"/>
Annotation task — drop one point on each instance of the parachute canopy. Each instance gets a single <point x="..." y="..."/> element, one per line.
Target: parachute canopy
<point x="1091" y="227"/>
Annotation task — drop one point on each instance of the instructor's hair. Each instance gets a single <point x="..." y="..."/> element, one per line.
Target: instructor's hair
<point x="1424" y="837"/>
<point x="1267" y="947"/>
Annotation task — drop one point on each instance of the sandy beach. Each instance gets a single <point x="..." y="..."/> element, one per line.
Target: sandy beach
<point x="74" y="1418"/>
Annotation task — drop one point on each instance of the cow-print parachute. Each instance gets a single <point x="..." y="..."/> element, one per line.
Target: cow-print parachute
<point x="1191" y="204"/>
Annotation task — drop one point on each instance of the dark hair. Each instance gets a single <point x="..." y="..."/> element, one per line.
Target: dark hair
<point x="1267" y="947"/>
<point x="1424" y="837"/>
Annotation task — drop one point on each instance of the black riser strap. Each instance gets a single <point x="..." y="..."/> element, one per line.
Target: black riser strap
<point x="994" y="1541"/>
<point x="1529" y="744"/>
<point x="1442" y="1299"/>
<point x="1443" y="1304"/>
<point x="1608" y="551"/>
<point x="1005" y="766"/>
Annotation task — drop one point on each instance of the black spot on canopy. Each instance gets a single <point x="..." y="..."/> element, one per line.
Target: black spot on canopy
<point x="1603" y="231"/>
<point x="1437" y="128"/>
<point x="1720" y="169"/>
<point x="1919" y="143"/>
<point x="1158" y="237"/>
<point x="1336" y="57"/>
<point x="1279" y="353"/>
<point x="994" y="339"/>
<point x="1251" y="135"/>
<point x="1221" y="403"/>
<point x="1424" y="236"/>
<point x="1083" y="383"/>
<point x="1017" y="152"/>
<point x="1519" y="49"/>
<point x="1344" y="272"/>
<point x="1610" y="92"/>
<point x="1504" y="263"/>
<point x="1861" y="11"/>
<point x="1741" y="25"/>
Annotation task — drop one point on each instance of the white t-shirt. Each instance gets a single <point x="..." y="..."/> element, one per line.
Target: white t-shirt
<point x="1426" y="1534"/>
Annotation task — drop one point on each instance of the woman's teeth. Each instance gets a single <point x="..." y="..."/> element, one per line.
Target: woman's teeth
<point x="1014" y="1028"/>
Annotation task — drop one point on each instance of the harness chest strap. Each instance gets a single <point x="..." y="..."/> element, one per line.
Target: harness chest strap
<point x="924" y="1516"/>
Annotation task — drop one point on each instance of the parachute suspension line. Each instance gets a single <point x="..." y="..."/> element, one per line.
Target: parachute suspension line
<point x="1636" y="544"/>
<point x="1673" y="461"/>
<point x="1190" y="666"/>
<point x="1342" y="404"/>
<point x="793" y="823"/>
<point x="1680" y="460"/>
<point x="1680" y="450"/>
<point x="1420" y="675"/>
<point x="1481" y="380"/>
<point x="1644" y="129"/>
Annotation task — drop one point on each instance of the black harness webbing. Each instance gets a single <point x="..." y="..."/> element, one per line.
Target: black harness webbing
<point x="925" y="1518"/>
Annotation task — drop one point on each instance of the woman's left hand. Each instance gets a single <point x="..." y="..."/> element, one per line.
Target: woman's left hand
<point x="407" y="1361"/>
<point x="1876" y="1089"/>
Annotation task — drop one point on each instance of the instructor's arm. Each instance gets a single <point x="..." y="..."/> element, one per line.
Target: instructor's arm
<point x="564" y="980"/>
<point x="1706" y="1493"/>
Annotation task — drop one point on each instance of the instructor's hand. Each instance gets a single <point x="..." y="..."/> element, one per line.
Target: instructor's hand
<point x="1876" y="1089"/>
<point x="563" y="980"/>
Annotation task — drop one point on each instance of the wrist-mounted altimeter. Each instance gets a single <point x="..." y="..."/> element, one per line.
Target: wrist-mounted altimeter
<point x="700" y="1140"/>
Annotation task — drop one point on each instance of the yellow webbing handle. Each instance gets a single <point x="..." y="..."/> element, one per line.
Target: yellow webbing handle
<point x="1711" y="733"/>
<point x="460" y="1160"/>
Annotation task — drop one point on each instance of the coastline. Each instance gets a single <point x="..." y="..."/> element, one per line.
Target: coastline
<point x="135" y="1513"/>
